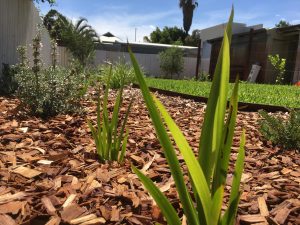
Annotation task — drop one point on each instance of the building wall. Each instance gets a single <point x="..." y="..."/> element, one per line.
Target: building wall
<point x="149" y="62"/>
<point x="18" y="21"/>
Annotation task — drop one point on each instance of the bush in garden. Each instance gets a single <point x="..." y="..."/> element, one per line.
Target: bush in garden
<point x="208" y="174"/>
<point x="285" y="133"/>
<point x="8" y="84"/>
<point x="120" y="73"/>
<point x="279" y="66"/>
<point x="171" y="61"/>
<point x="110" y="143"/>
<point x="47" y="92"/>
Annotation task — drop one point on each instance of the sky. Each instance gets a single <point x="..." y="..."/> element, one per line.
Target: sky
<point x="123" y="17"/>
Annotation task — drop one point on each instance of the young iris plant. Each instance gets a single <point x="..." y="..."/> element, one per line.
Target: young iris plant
<point x="207" y="173"/>
<point x="110" y="144"/>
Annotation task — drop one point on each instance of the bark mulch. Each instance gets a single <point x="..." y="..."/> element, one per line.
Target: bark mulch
<point x="49" y="173"/>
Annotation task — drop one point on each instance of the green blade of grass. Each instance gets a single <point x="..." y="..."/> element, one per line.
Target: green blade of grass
<point x="227" y="137"/>
<point x="118" y="145"/>
<point x="215" y="211"/>
<point x="163" y="203"/>
<point x="169" y="151"/>
<point x="215" y="112"/>
<point x="196" y="173"/>
<point x="123" y="150"/>
<point x="229" y="216"/>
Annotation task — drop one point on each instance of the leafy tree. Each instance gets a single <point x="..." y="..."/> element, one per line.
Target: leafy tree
<point x="168" y="35"/>
<point x="187" y="7"/>
<point x="51" y="2"/>
<point x="55" y="22"/>
<point x="171" y="61"/>
<point x="173" y="35"/>
<point x="81" y="40"/>
<point x="279" y="67"/>
<point x="194" y="39"/>
<point x="282" y="23"/>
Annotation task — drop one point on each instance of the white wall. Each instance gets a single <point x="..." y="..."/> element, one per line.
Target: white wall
<point x="18" y="21"/>
<point x="149" y="62"/>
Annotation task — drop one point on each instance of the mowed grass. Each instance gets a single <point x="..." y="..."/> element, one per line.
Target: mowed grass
<point x="277" y="95"/>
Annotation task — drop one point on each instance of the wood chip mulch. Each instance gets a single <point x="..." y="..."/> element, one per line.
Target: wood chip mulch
<point x="49" y="173"/>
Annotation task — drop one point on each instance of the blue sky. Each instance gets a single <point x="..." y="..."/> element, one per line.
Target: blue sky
<point x="121" y="17"/>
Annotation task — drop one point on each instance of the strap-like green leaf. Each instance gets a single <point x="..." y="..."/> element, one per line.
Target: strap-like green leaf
<point x="227" y="137"/>
<point x="215" y="211"/>
<point x="215" y="112"/>
<point x="123" y="150"/>
<point x="163" y="203"/>
<point x="165" y="142"/>
<point x="229" y="216"/>
<point x="194" y="168"/>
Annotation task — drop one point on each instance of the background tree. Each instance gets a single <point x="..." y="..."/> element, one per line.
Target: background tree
<point x="79" y="38"/>
<point x="194" y="39"/>
<point x="171" y="61"/>
<point x="55" y="23"/>
<point x="173" y="35"/>
<point x="51" y="2"/>
<point x="169" y="35"/>
<point x="282" y="23"/>
<point x="187" y="7"/>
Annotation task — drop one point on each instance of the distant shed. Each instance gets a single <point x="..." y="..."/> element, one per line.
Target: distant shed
<point x="253" y="47"/>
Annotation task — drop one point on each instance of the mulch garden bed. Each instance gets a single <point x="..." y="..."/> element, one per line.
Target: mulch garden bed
<point x="49" y="173"/>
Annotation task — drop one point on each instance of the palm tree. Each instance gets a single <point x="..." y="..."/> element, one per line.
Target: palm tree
<point x="80" y="39"/>
<point x="188" y="7"/>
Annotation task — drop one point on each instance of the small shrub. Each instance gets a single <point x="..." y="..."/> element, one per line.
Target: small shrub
<point x="281" y="132"/>
<point x="50" y="91"/>
<point x="8" y="84"/>
<point x="171" y="61"/>
<point x="121" y="72"/>
<point x="110" y="143"/>
<point x="204" y="76"/>
<point x="279" y="66"/>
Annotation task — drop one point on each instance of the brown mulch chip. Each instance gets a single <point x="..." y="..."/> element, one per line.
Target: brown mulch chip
<point x="49" y="172"/>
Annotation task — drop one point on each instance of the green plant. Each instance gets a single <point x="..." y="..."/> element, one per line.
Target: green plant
<point x="50" y="91"/>
<point x="204" y="76"/>
<point x="207" y="174"/>
<point x="279" y="66"/>
<point x="110" y="143"/>
<point x="120" y="73"/>
<point x="8" y="84"/>
<point x="171" y="61"/>
<point x="285" y="133"/>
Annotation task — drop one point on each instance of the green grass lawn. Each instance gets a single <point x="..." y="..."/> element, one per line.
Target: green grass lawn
<point x="278" y="95"/>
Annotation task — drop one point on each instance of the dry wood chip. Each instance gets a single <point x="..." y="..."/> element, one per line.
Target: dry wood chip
<point x="11" y="197"/>
<point x="94" y="221"/>
<point x="12" y="207"/>
<point x="6" y="220"/>
<point x="263" y="206"/>
<point x="115" y="214"/>
<point x="83" y="219"/>
<point x="252" y="218"/>
<point x="148" y="164"/>
<point x="27" y="172"/>
<point x="45" y="162"/>
<point x="54" y="220"/>
<point x="49" y="206"/>
<point x="69" y="200"/>
<point x="137" y="159"/>
<point x="71" y="212"/>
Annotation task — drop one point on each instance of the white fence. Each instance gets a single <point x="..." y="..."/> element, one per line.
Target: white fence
<point x="149" y="62"/>
<point x="18" y="26"/>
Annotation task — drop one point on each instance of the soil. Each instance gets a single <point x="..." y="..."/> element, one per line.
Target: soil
<point x="50" y="174"/>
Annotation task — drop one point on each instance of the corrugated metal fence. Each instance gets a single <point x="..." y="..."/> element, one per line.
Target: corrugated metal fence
<point x="149" y="62"/>
<point x="18" y="26"/>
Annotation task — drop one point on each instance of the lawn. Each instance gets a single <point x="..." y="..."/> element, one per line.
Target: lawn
<point x="278" y="95"/>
